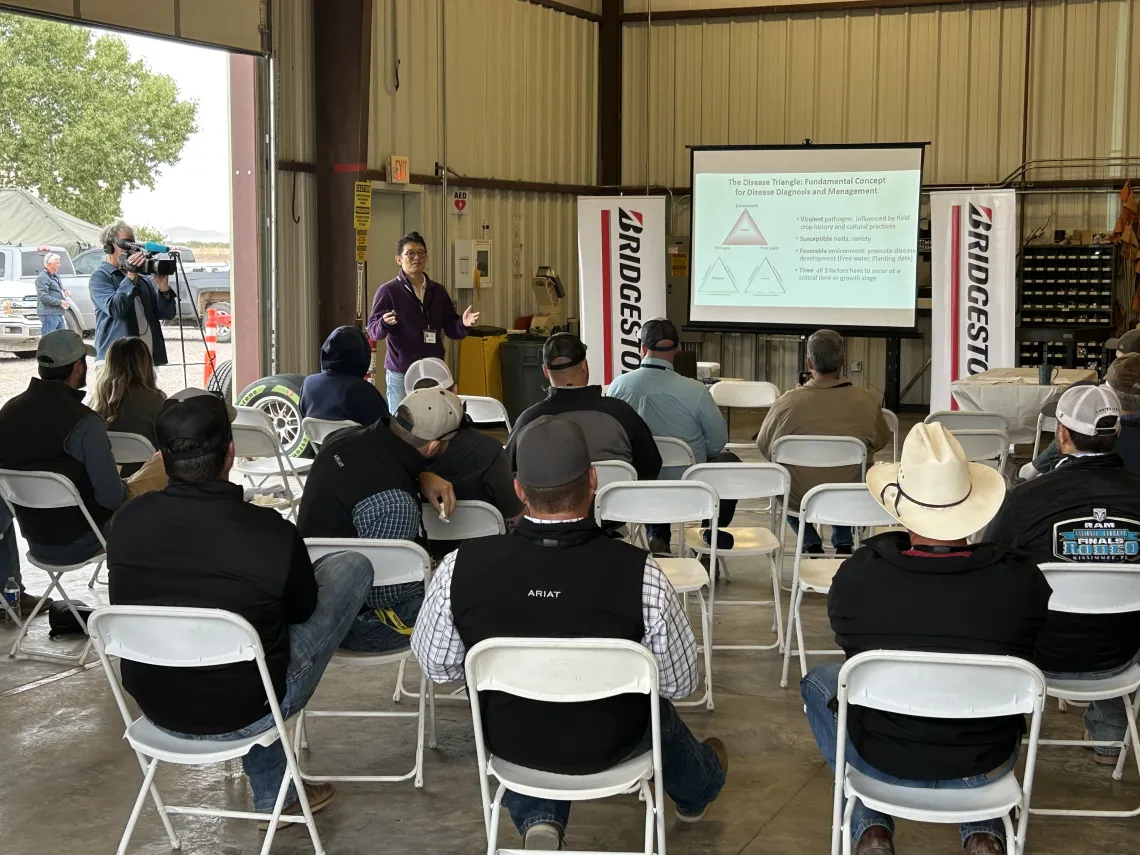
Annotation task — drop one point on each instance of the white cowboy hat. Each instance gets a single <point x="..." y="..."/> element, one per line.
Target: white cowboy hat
<point x="933" y="491"/>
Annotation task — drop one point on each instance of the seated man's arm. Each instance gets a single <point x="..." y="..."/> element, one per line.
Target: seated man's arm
<point x="668" y="634"/>
<point x="88" y="443"/>
<point x="435" y="640"/>
<point x="301" y="587"/>
<point x="642" y="447"/>
<point x="771" y="430"/>
<point x="713" y="426"/>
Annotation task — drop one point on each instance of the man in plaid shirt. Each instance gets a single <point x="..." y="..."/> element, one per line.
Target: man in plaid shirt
<point x="558" y="575"/>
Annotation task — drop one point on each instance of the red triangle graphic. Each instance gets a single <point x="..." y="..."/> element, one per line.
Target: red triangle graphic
<point x="745" y="232"/>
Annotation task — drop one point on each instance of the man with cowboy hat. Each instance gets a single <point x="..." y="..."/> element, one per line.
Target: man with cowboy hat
<point x="927" y="589"/>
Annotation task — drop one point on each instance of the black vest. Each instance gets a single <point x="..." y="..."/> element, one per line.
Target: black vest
<point x="34" y="426"/>
<point x="557" y="580"/>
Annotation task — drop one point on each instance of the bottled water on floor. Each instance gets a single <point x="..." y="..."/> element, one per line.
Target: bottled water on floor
<point x="12" y="598"/>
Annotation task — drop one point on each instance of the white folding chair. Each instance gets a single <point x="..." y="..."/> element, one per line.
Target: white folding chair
<point x="834" y="504"/>
<point x="743" y="394"/>
<point x="1044" y="425"/>
<point x="318" y="430"/>
<point x="650" y="502"/>
<point x="613" y="471"/>
<point x="674" y="452"/>
<point x="985" y="446"/>
<point x="173" y="637"/>
<point x="258" y="456"/>
<point x="394" y="562"/>
<point x="129" y="448"/>
<point x="469" y="519"/>
<point x="937" y="685"/>
<point x="486" y="411"/>
<point x="1097" y="589"/>
<point x="956" y="420"/>
<point x="567" y="670"/>
<point x="744" y="481"/>
<point x="893" y="423"/>
<point x="44" y="491"/>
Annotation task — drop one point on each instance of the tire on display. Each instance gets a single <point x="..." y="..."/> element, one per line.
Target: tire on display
<point x="279" y="397"/>
<point x="72" y="321"/>
<point x="222" y="380"/>
<point x="224" y="332"/>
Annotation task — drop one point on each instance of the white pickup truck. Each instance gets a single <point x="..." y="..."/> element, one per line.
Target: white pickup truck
<point x="19" y="315"/>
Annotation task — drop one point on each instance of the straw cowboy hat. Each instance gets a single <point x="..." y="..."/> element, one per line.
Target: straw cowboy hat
<point x="933" y="491"/>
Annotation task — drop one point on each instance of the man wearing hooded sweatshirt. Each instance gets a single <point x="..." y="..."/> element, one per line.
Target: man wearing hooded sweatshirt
<point x="340" y="391"/>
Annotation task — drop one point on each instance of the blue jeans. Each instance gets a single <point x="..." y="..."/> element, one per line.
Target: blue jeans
<point x="817" y="689"/>
<point x="840" y="534"/>
<point x="9" y="553"/>
<point x="1047" y="460"/>
<point x="693" y="776"/>
<point x="343" y="581"/>
<point x="727" y="506"/>
<point x="1105" y="721"/>
<point x="382" y="630"/>
<point x="395" y="389"/>
<point x="51" y="323"/>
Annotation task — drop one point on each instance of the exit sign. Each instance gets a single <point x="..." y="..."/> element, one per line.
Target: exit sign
<point x="399" y="171"/>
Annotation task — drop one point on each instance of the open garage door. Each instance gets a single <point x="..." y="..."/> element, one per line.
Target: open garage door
<point x="236" y="25"/>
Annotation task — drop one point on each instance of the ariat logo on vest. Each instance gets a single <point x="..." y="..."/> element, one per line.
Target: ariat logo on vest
<point x="550" y="594"/>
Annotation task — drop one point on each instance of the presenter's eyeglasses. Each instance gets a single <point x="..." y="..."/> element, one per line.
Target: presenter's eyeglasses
<point x="413" y="254"/>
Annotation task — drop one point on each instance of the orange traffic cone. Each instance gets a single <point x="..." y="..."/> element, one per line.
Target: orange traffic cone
<point x="211" y="346"/>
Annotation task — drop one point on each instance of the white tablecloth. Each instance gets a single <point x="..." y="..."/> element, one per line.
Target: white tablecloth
<point x="1015" y="393"/>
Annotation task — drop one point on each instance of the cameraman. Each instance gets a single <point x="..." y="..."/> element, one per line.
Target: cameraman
<point x="128" y="303"/>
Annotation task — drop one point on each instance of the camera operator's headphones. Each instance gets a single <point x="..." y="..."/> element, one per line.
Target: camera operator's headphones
<point x="109" y="247"/>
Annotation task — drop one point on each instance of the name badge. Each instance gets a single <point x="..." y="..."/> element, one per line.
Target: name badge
<point x="429" y="336"/>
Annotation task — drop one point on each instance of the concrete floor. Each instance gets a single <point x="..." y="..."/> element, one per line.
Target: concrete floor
<point x="70" y="780"/>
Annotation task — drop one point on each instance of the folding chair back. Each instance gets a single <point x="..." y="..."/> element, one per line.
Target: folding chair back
<point x="394" y="562"/>
<point x="485" y="411"/>
<point x="743" y="480"/>
<point x="568" y="670"/>
<point x="893" y="423"/>
<point x="843" y="504"/>
<point x="469" y="519"/>
<point x="674" y="452"/>
<point x="41" y="490"/>
<point x="128" y="448"/>
<point x="649" y="502"/>
<point x="1044" y="425"/>
<point x="982" y="446"/>
<point x="1093" y="588"/>
<point x="955" y="420"/>
<point x="318" y="430"/>
<point x="819" y="451"/>
<point x="752" y="394"/>
<point x="174" y="637"/>
<point x="613" y="471"/>
<point x="254" y="440"/>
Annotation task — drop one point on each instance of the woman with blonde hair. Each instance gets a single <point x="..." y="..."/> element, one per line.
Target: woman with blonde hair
<point x="127" y="394"/>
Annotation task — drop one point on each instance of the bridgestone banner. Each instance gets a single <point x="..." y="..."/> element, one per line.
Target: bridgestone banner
<point x="974" y="292"/>
<point x="621" y="278"/>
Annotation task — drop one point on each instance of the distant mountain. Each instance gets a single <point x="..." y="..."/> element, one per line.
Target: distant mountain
<point x="185" y="234"/>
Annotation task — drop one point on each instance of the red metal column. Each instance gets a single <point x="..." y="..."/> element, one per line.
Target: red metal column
<point x="342" y="37"/>
<point x="245" y="234"/>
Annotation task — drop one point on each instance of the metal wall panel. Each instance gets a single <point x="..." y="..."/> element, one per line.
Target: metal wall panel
<point x="295" y="311"/>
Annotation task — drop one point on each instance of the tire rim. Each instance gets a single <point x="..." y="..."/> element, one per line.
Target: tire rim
<point x="285" y="418"/>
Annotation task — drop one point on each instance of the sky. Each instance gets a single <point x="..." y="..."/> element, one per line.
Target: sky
<point x="194" y="192"/>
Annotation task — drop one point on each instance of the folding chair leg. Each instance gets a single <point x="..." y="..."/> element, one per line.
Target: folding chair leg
<point x="1012" y="845"/>
<point x="493" y="821"/>
<point x="793" y="626"/>
<point x="777" y="626"/>
<point x="95" y="576"/>
<point x="431" y="715"/>
<point x="706" y="638"/>
<point x="175" y="843"/>
<point x="800" y="637"/>
<point x="399" y="693"/>
<point x="148" y="781"/>
<point x="279" y="804"/>
<point x="647" y="797"/>
<point x="419" y="782"/>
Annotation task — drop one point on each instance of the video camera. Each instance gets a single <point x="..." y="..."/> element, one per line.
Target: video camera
<point x="160" y="259"/>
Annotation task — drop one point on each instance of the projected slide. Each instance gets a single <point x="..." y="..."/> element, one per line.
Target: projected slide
<point x="805" y="236"/>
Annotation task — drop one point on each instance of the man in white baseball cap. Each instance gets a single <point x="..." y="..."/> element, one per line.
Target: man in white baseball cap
<point x="928" y="589"/>
<point x="1086" y="510"/>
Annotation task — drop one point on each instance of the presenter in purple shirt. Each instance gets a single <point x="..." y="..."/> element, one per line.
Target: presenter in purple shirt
<point x="413" y="313"/>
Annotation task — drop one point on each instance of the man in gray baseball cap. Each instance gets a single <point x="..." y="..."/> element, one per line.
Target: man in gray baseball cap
<point x="48" y="428"/>
<point x="542" y="580"/>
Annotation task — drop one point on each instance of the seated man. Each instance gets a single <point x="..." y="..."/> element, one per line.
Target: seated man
<point x="253" y="563"/>
<point x="473" y="462"/>
<point x="679" y="407"/>
<point x="827" y="405"/>
<point x="340" y="392"/>
<point x="486" y="589"/>
<point x="926" y="589"/>
<point x="364" y="484"/>
<point x="1087" y="509"/>
<point x="1123" y="377"/>
<point x="48" y="428"/>
<point x="613" y="429"/>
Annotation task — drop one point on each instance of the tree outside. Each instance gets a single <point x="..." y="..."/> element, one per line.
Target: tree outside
<point x="143" y="233"/>
<point x="80" y="122"/>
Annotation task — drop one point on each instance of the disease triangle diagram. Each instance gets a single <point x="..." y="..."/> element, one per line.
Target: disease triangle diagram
<point x="765" y="281"/>
<point x="745" y="232"/>
<point x="718" y="280"/>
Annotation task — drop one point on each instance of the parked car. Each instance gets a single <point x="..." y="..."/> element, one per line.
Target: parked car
<point x="209" y="285"/>
<point x="19" y="327"/>
<point x="19" y="266"/>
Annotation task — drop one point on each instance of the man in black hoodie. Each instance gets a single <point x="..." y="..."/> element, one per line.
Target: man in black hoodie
<point x="1085" y="510"/>
<point x="340" y="392"/>
<point x="926" y="589"/>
